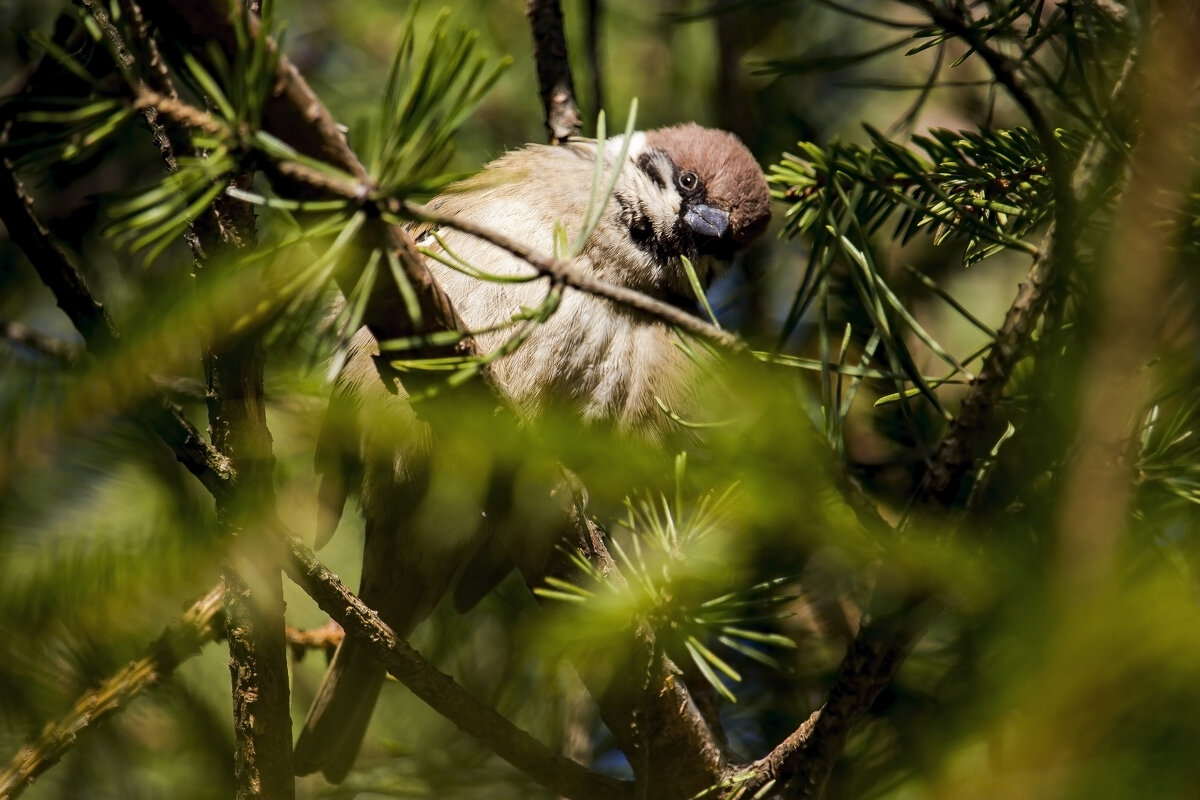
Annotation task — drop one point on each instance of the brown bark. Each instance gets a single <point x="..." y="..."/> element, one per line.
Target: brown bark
<point x="555" y="84"/>
<point x="254" y="606"/>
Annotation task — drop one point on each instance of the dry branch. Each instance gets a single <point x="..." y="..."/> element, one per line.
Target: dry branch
<point x="254" y="605"/>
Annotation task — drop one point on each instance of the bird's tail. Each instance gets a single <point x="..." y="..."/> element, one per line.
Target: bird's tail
<point x="337" y="721"/>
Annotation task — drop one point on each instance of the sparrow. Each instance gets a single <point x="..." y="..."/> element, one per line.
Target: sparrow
<point x="679" y="191"/>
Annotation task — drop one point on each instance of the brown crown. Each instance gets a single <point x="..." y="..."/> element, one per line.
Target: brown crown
<point x="734" y="181"/>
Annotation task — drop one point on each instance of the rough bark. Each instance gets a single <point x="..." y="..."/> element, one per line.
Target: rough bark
<point x="555" y="84"/>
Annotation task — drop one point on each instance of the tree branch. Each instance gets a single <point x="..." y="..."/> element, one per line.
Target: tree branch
<point x="21" y="336"/>
<point x="659" y="710"/>
<point x="181" y="640"/>
<point x="254" y="603"/>
<point x="327" y="638"/>
<point x="807" y="757"/>
<point x="563" y="272"/>
<point x="440" y="692"/>
<point x="556" y="269"/>
<point x="53" y="266"/>
<point x="215" y="473"/>
<point x="555" y="84"/>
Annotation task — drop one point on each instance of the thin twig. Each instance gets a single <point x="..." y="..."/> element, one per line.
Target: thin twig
<point x="181" y="640"/>
<point x="326" y="638"/>
<point x="563" y="272"/>
<point x="17" y="334"/>
<point x="53" y="266"/>
<point x="166" y="139"/>
<point x="180" y="112"/>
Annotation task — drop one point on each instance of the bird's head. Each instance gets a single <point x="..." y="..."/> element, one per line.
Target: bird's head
<point x="689" y="191"/>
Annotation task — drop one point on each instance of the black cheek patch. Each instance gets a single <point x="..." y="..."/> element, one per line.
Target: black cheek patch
<point x="646" y="164"/>
<point x="664" y="246"/>
<point x="634" y="218"/>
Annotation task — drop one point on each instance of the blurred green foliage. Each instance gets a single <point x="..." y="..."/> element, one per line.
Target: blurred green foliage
<point x="1025" y="684"/>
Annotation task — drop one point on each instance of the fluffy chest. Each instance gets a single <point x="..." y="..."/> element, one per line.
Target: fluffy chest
<point x="602" y="363"/>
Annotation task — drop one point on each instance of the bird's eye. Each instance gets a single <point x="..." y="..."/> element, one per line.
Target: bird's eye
<point x="688" y="180"/>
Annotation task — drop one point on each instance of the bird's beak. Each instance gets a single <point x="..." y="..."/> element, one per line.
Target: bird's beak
<point x="707" y="221"/>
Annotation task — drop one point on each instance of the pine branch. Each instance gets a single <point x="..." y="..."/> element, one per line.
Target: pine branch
<point x="990" y="188"/>
<point x="1004" y="70"/>
<point x="254" y="605"/>
<point x="295" y="115"/>
<point x="181" y="640"/>
<point x="808" y="756"/>
<point x="657" y="724"/>
<point x="652" y="701"/>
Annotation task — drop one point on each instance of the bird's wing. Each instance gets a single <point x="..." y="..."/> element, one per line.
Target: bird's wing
<point x="337" y="460"/>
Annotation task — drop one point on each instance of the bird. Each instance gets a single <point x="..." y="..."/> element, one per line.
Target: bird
<point x="679" y="191"/>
